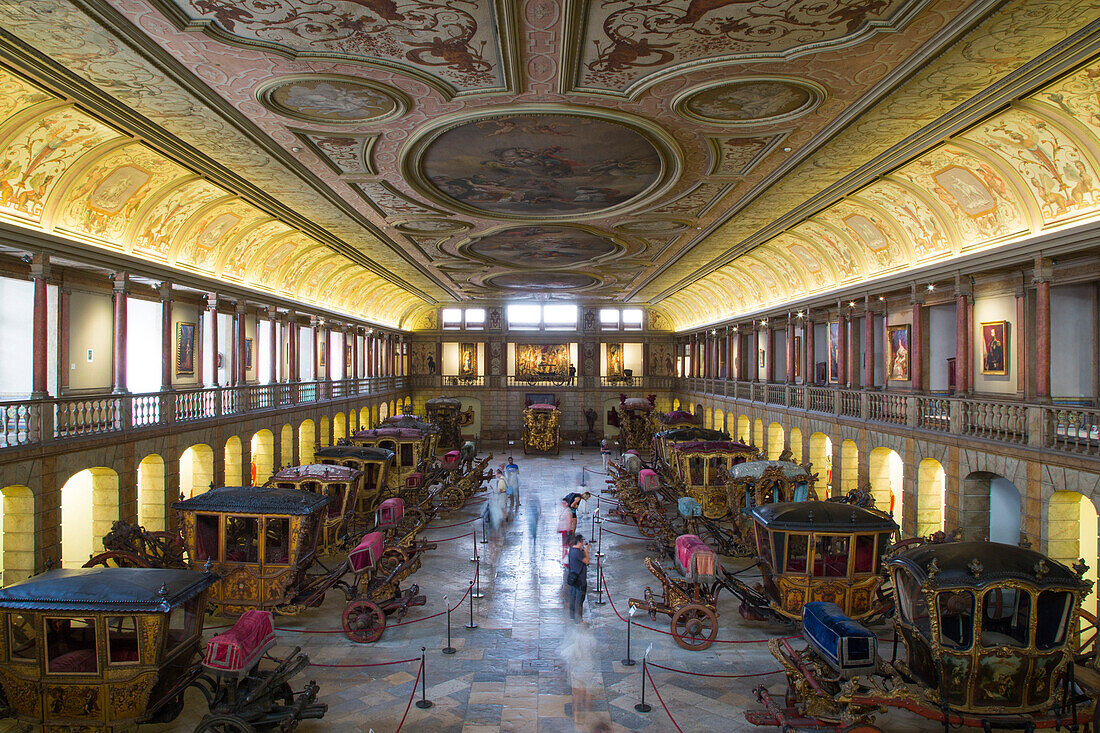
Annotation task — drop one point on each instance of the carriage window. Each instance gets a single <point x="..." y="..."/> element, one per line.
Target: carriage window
<point x="181" y="623"/>
<point x="797" y="549"/>
<point x="695" y="466"/>
<point x="801" y="491"/>
<point x="831" y="556"/>
<point x="71" y="646"/>
<point x="956" y="612"/>
<point x="407" y="455"/>
<point x="207" y="533"/>
<point x="1054" y="610"/>
<point x="277" y="541"/>
<point x="22" y="637"/>
<point x="779" y="544"/>
<point x="914" y="606"/>
<point x="1006" y="615"/>
<point x="372" y="475"/>
<point x="336" y="494"/>
<point x="884" y="540"/>
<point x="761" y="541"/>
<point x="865" y="553"/>
<point x="122" y="640"/>
<point x="242" y="539"/>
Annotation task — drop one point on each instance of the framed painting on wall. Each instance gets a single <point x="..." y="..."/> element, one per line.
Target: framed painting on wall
<point x="347" y="355"/>
<point x="467" y="360"/>
<point x="994" y="347"/>
<point x="897" y="353"/>
<point x="321" y="353"/>
<point x="614" y="360"/>
<point x="763" y="358"/>
<point x="834" y="354"/>
<point x="798" y="356"/>
<point x="185" y="349"/>
<point x="248" y="353"/>
<point x="542" y="361"/>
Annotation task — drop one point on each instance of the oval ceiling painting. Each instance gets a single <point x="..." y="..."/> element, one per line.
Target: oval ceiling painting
<point x="750" y="101"/>
<point x="542" y="281"/>
<point x="332" y="100"/>
<point x="539" y="165"/>
<point x="540" y="246"/>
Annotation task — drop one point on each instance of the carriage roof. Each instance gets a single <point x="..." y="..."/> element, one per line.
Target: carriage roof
<point x="822" y="516"/>
<point x="319" y="471"/>
<point x="977" y="564"/>
<point x="684" y="434"/>
<point x="444" y="402"/>
<point x="755" y="469"/>
<point x="255" y="500"/>
<point x="542" y="407"/>
<point x="636" y="403"/>
<point x="362" y="452"/>
<point x="711" y="446"/>
<point x="409" y="421"/>
<point x="133" y="590"/>
<point x="679" y="416"/>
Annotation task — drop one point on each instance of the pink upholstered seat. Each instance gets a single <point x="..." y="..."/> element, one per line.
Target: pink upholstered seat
<point x="451" y="459"/>
<point x="390" y="511"/>
<point x="694" y="556"/>
<point x="648" y="480"/>
<point x="367" y="552"/>
<point x="236" y="651"/>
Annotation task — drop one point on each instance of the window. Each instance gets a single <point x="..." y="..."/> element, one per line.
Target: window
<point x="1006" y="614"/>
<point x="557" y="317"/>
<point x="609" y="318"/>
<point x="452" y="318"/>
<point x="475" y="319"/>
<point x="914" y="606"/>
<point x="22" y="637"/>
<point x="242" y="539"/>
<point x="831" y="556"/>
<point x="632" y="319"/>
<point x="181" y="623"/>
<point x="560" y="317"/>
<point x="122" y="640"/>
<point x="71" y="646"/>
<point x="524" y="316"/>
<point x="956" y="612"/>
<point x="1054" y="611"/>
<point x="797" y="547"/>
<point x="276" y="541"/>
<point x="335" y="493"/>
<point x="865" y="553"/>
<point x="779" y="545"/>
<point x="407" y="455"/>
<point x="207" y="535"/>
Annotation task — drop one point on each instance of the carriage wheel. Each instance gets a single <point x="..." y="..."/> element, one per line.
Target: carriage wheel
<point x="363" y="621"/>
<point x="1088" y="636"/>
<point x="650" y="523"/>
<point x="169" y="711"/>
<point x="410" y="520"/>
<point x="223" y="724"/>
<point x="453" y="499"/>
<point x="694" y="626"/>
<point x="116" y="560"/>
<point x="391" y="559"/>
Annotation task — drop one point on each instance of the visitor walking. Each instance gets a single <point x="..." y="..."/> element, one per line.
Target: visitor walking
<point x="565" y="529"/>
<point x="605" y="451"/>
<point x="534" y="514"/>
<point x="577" y="579"/>
<point x="573" y="500"/>
<point x="497" y="502"/>
<point x="511" y="477"/>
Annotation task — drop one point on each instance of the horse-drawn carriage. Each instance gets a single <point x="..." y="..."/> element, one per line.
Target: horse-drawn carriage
<point x="413" y="444"/>
<point x="689" y="599"/>
<point x="541" y="428"/>
<point x="663" y="440"/>
<point x="106" y="648"/>
<point x="992" y="634"/>
<point x="700" y="469"/>
<point x="678" y="419"/>
<point x="340" y="484"/>
<point x="374" y="467"/>
<point x="446" y="413"/>
<point x="634" y="417"/>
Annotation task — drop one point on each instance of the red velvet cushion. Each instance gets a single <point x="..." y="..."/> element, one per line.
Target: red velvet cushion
<point x="240" y="647"/>
<point x="367" y="552"/>
<point x="81" y="660"/>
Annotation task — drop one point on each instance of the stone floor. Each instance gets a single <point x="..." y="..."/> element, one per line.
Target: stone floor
<point x="523" y="668"/>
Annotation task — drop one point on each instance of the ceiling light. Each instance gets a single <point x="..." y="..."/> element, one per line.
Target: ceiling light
<point x="786" y="150"/>
<point x="882" y="297"/>
<point x="931" y="287"/>
<point x="799" y="314"/>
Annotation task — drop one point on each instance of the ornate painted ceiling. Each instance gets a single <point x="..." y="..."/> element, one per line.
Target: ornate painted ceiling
<point x="710" y="157"/>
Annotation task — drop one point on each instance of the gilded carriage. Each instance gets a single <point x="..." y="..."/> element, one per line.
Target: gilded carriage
<point x="636" y="421"/>
<point x="101" y="649"/>
<point x="663" y="440"/>
<point x="700" y="469"/>
<point x="416" y="422"/>
<point x="446" y="413"/>
<point x="678" y="419"/>
<point x="992" y="634"/>
<point x="541" y="428"/>
<point x="690" y="598"/>
<point x="374" y="466"/>
<point x="755" y="483"/>
<point x="340" y="484"/>
<point x="413" y="448"/>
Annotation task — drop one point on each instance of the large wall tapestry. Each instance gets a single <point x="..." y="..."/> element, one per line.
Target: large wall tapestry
<point x="540" y="246"/>
<point x="539" y="165"/>
<point x="540" y="360"/>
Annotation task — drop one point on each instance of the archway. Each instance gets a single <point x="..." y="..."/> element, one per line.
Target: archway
<point x="339" y="427"/>
<point x="263" y="455"/>
<point x="758" y="433"/>
<point x="708" y="417"/>
<point x="234" y="476"/>
<point x="307" y="442"/>
<point x="796" y="445"/>
<point x="849" y="468"/>
<point x="743" y="433"/>
<point x="990" y="508"/>
<point x="1072" y="534"/>
<point x="286" y="446"/>
<point x="776" y="441"/>
<point x="17" y="525"/>
<point x="931" y="481"/>
<point x="383" y="411"/>
<point x="698" y="412"/>
<point x="91" y="493"/>
<point x="364" y="417"/>
<point x="675" y="405"/>
<point x="196" y="469"/>
<point x="152" y="506"/>
<point x="323" y="439"/>
<point x="885" y="471"/>
<point x="719" y="420"/>
<point x="821" y="461"/>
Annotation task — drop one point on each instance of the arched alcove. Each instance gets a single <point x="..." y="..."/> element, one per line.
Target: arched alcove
<point x="675" y="404"/>
<point x="93" y="493"/>
<point x="152" y="507"/>
<point x="17" y="525"/>
<point x="776" y="441"/>
<point x="323" y="431"/>
<point x="743" y="433"/>
<point x="307" y="442"/>
<point x="234" y="475"/>
<point x="796" y="445"/>
<point x="1072" y="535"/>
<point x="758" y="433"/>
<point x="991" y="507"/>
<point x="286" y="446"/>
<point x="849" y="467"/>
<point x="196" y="469"/>
<point x="719" y="420"/>
<point x="821" y="461"/>
<point x="339" y="427"/>
<point x="886" y="471"/>
<point x="931" y="483"/>
<point x="263" y="455"/>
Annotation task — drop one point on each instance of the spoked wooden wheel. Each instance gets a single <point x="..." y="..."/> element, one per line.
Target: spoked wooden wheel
<point x="364" y="621"/>
<point x="116" y="560"/>
<point x="224" y="724"/>
<point x="410" y="520"/>
<point x="1088" y="636"/>
<point x="694" y="626"/>
<point x="453" y="499"/>
<point x="391" y="559"/>
<point x="650" y="523"/>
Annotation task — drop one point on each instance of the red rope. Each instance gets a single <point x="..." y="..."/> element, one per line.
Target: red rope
<point x="448" y="539"/>
<point x="357" y="666"/>
<point x="456" y="524"/>
<point x="703" y="674"/>
<point x="419" y="671"/>
<point x="620" y="534"/>
<point x="662" y="700"/>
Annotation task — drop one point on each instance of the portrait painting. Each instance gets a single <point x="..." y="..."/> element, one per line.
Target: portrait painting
<point x="798" y="356"/>
<point x="763" y="358"/>
<point x="614" y="360"/>
<point x="321" y="353"/>
<point x="185" y="348"/>
<point x="897" y="353"/>
<point x="834" y="351"/>
<point x="467" y="360"/>
<point x="347" y="355"/>
<point x="248" y="353"/>
<point x="994" y="347"/>
<point x="541" y="360"/>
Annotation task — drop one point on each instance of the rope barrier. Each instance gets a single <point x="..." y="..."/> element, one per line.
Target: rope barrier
<point x="704" y="674"/>
<point x="448" y="539"/>
<point x="456" y="524"/>
<point x="620" y="534"/>
<point x="419" y="671"/>
<point x="662" y="701"/>
<point x="358" y="666"/>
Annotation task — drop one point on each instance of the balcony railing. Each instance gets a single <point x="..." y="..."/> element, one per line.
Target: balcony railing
<point x="26" y="422"/>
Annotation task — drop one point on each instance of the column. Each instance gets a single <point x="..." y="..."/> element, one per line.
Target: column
<point x="326" y="350"/>
<point x="769" y="363"/>
<point x="916" y="344"/>
<point x="731" y="373"/>
<point x="790" y="350"/>
<point x="273" y="345"/>
<point x="212" y="314"/>
<point x="1042" y="277"/>
<point x="962" y="328"/>
<point x="1020" y="340"/>
<point x="841" y="347"/>
<point x="808" y="376"/>
<point x="346" y="330"/>
<point x="240" y="362"/>
<point x="869" y="344"/>
<point x="40" y="274"/>
<point x="63" y="339"/>
<point x="166" y="360"/>
<point x="294" y="373"/>
<point x="118" y="363"/>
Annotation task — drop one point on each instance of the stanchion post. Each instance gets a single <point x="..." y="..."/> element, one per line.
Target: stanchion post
<point x="599" y="583"/>
<point x="475" y="557"/>
<point x="477" y="581"/>
<point x="599" y="541"/>
<point x="448" y="649"/>
<point x="642" y="707"/>
<point x="628" y="661"/>
<point x="471" y="625"/>
<point x="424" y="703"/>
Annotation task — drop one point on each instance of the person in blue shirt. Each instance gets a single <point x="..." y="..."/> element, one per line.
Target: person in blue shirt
<point x="511" y="477"/>
<point x="578" y="574"/>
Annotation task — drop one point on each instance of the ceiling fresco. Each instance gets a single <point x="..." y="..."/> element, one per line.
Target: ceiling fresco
<point x="381" y="157"/>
